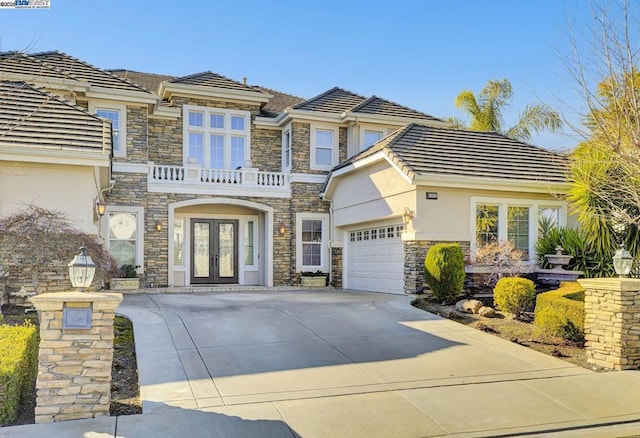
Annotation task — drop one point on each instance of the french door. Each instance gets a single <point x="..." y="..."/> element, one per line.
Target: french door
<point x="214" y="251"/>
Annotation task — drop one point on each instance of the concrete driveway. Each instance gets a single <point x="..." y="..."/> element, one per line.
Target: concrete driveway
<point x="342" y="363"/>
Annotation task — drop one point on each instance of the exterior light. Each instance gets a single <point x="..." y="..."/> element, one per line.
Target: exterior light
<point x="101" y="207"/>
<point x="159" y="226"/>
<point x="283" y="228"/>
<point x="81" y="270"/>
<point x="407" y="215"/>
<point x="622" y="261"/>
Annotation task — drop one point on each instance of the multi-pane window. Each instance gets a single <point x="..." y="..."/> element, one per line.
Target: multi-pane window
<point x="286" y="150"/>
<point x="518" y="228"/>
<point x="311" y="242"/>
<point x="117" y="129"/>
<point x="123" y="236"/>
<point x="324" y="147"/>
<point x="371" y="137"/>
<point x="216" y="138"/>
<point x="249" y="243"/>
<point x="178" y="241"/>
<point x="486" y="224"/>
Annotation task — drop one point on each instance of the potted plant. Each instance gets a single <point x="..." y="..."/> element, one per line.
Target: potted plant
<point x="313" y="279"/>
<point x="127" y="278"/>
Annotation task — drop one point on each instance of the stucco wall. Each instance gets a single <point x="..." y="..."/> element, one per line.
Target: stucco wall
<point x="68" y="189"/>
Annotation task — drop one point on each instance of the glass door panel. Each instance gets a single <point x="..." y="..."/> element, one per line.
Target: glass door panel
<point x="214" y="251"/>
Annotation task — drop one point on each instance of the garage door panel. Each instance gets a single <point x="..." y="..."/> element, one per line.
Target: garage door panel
<point x="376" y="259"/>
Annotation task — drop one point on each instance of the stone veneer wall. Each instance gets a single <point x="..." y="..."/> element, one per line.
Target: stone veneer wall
<point x="336" y="267"/>
<point x="612" y="323"/>
<point x="74" y="366"/>
<point x="301" y="147"/>
<point x="414" y="254"/>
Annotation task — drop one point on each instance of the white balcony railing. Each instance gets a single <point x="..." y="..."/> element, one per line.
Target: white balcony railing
<point x="194" y="176"/>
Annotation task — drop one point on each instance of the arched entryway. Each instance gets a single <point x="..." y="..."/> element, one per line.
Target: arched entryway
<point x="220" y="241"/>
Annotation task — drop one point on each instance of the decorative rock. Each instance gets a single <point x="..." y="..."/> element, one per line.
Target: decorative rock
<point x="487" y="312"/>
<point x="468" y="306"/>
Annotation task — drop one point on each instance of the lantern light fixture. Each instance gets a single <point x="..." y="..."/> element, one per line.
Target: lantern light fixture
<point x="622" y="262"/>
<point x="101" y="207"/>
<point x="81" y="270"/>
<point x="283" y="228"/>
<point x="158" y="226"/>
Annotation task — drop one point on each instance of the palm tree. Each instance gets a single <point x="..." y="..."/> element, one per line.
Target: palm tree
<point x="485" y="111"/>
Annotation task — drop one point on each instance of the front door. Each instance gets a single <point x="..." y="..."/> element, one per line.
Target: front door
<point x="214" y="251"/>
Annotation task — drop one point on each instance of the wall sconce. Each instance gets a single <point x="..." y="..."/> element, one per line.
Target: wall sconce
<point x="283" y="228"/>
<point x="101" y="207"/>
<point x="622" y="261"/>
<point x="159" y="226"/>
<point x="408" y="215"/>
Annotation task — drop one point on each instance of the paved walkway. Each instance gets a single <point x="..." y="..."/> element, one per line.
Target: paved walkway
<point x="344" y="364"/>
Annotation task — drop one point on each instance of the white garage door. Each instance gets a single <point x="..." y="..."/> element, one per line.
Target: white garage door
<point x="375" y="259"/>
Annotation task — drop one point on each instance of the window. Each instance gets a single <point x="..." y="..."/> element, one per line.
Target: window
<point x="178" y="242"/>
<point x="324" y="141"/>
<point x="486" y="224"/>
<point x="125" y="237"/>
<point x="548" y="219"/>
<point x="518" y="228"/>
<point x="515" y="220"/>
<point x="286" y="149"/>
<point x="117" y="115"/>
<point x="249" y="243"/>
<point x="216" y="138"/>
<point x="312" y="242"/>
<point x="371" y="137"/>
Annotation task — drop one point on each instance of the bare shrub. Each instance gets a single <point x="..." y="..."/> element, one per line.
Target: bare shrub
<point x="501" y="259"/>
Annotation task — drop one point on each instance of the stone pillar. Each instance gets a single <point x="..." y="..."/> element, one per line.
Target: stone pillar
<point x="76" y="351"/>
<point x="612" y="322"/>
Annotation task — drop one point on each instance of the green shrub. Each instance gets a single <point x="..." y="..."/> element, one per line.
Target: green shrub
<point x="560" y="312"/>
<point x="18" y="367"/>
<point x="586" y="257"/>
<point x="514" y="294"/>
<point x="444" y="271"/>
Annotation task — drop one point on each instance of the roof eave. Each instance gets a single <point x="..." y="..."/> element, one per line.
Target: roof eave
<point x="98" y="157"/>
<point x="167" y="89"/>
<point x="121" y="95"/>
<point x="482" y="183"/>
<point x="315" y="115"/>
<point x="355" y="117"/>
<point x="47" y="82"/>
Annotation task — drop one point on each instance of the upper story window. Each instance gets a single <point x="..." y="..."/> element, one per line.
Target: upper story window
<point x="324" y="147"/>
<point x="371" y="137"/>
<point x="286" y="149"/>
<point x="117" y="115"/>
<point x="216" y="138"/>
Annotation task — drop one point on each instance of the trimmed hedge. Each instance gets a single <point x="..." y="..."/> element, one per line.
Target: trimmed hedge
<point x="514" y="294"/>
<point x="444" y="271"/>
<point x="18" y="367"/>
<point x="560" y="312"/>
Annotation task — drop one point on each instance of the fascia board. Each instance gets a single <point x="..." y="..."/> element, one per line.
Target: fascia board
<point x="121" y="95"/>
<point x="502" y="184"/>
<point x="390" y="120"/>
<point x="315" y="116"/>
<point x="56" y="155"/>
<point x="367" y="161"/>
<point x="222" y="93"/>
<point x="162" y="112"/>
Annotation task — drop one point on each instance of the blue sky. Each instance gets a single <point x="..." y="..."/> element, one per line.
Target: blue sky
<point x="418" y="53"/>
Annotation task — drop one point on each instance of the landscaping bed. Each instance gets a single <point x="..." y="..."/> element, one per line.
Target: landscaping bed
<point x="125" y="392"/>
<point x="504" y="325"/>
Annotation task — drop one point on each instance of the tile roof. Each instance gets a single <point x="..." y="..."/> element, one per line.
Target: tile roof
<point x="210" y="79"/>
<point x="20" y="63"/>
<point x="150" y="81"/>
<point x="32" y="117"/>
<point x="335" y="100"/>
<point x="426" y="150"/>
<point x="379" y="106"/>
<point x="83" y="71"/>
<point x="278" y="103"/>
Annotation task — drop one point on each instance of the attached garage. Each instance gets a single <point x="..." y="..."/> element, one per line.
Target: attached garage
<point x="375" y="259"/>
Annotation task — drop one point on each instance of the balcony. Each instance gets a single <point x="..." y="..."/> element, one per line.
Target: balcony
<point x="198" y="180"/>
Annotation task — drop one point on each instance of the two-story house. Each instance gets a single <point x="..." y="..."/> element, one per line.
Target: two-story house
<point x="214" y="181"/>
